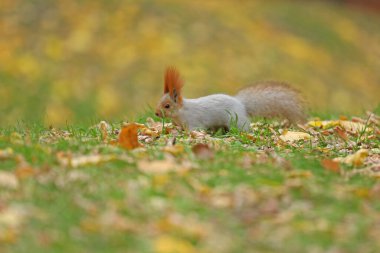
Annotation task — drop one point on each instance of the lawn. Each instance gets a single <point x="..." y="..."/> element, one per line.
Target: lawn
<point x="306" y="188"/>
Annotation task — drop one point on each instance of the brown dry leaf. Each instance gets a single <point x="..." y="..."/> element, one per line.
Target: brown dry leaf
<point x="169" y="244"/>
<point x="128" y="136"/>
<point x="103" y="127"/>
<point x="203" y="151"/>
<point x="198" y="134"/>
<point x="158" y="166"/>
<point x="341" y="133"/>
<point x="354" y="127"/>
<point x="25" y="171"/>
<point x="356" y="159"/>
<point x="149" y="132"/>
<point x="68" y="160"/>
<point x="331" y="165"/>
<point x="159" y="127"/>
<point x="8" y="180"/>
<point x="290" y="136"/>
<point x="174" y="150"/>
<point x="251" y="137"/>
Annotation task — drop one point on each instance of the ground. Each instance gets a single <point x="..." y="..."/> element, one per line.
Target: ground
<point x="129" y="187"/>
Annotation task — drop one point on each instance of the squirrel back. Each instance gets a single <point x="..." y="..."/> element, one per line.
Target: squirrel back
<point x="273" y="99"/>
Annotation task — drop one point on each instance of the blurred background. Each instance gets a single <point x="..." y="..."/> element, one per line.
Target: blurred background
<point x="68" y="61"/>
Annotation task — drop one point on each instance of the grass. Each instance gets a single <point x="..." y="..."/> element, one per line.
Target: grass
<point x="253" y="194"/>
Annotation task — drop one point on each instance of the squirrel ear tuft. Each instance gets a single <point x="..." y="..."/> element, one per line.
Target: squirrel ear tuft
<point x="173" y="84"/>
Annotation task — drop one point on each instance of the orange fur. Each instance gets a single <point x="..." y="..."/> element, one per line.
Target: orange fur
<point x="173" y="84"/>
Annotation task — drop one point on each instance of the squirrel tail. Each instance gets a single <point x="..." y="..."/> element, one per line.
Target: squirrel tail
<point x="273" y="99"/>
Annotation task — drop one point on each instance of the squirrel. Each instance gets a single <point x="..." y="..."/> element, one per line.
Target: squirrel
<point x="266" y="99"/>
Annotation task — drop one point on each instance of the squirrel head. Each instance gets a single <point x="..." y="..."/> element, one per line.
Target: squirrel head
<point x="172" y="100"/>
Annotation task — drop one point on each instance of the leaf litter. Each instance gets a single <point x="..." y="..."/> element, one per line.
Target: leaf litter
<point x="164" y="155"/>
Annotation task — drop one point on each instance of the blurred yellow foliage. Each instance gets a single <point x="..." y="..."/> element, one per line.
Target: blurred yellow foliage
<point x="168" y="244"/>
<point x="79" y="60"/>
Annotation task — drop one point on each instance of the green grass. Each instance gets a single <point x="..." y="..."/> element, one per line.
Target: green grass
<point x="243" y="200"/>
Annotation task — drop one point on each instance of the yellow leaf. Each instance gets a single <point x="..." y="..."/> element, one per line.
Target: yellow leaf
<point x="356" y="159"/>
<point x="289" y="136"/>
<point x="325" y="124"/>
<point x="355" y="127"/>
<point x="169" y="244"/>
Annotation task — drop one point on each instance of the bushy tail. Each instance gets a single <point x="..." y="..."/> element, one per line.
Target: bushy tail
<point x="273" y="99"/>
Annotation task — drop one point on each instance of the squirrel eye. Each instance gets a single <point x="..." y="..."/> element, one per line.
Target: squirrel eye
<point x="167" y="106"/>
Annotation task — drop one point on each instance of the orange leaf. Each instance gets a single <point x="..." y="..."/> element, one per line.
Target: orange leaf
<point x="331" y="165"/>
<point x="341" y="133"/>
<point x="24" y="171"/>
<point x="128" y="136"/>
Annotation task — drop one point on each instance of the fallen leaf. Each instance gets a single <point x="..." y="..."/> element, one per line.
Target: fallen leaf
<point x="24" y="171"/>
<point x="331" y="165"/>
<point x="356" y="159"/>
<point x="174" y="150"/>
<point x="103" y="127"/>
<point x="169" y="244"/>
<point x="290" y="136"/>
<point x="160" y="166"/>
<point x="68" y="160"/>
<point x="198" y="134"/>
<point x="341" y="133"/>
<point x="203" y="151"/>
<point x="149" y="132"/>
<point x="160" y="127"/>
<point x="355" y="127"/>
<point x="8" y="180"/>
<point x="128" y="136"/>
<point x="325" y="124"/>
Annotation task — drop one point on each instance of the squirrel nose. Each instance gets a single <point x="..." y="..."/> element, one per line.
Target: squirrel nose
<point x="158" y="115"/>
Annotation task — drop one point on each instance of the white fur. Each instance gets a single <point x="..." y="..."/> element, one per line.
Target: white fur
<point x="212" y="112"/>
<point x="268" y="99"/>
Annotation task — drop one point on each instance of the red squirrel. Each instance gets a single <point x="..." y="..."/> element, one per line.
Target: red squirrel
<point x="267" y="99"/>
